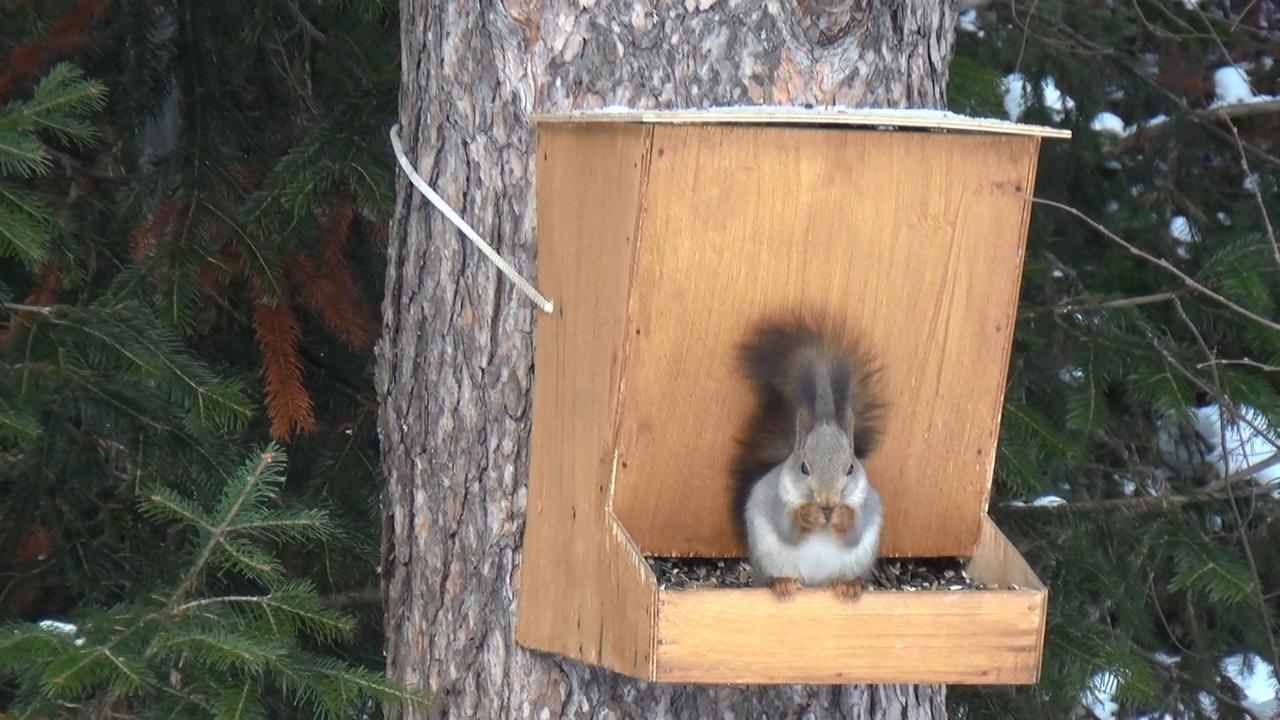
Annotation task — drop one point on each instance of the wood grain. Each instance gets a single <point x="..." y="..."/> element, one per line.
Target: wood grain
<point x="855" y="117"/>
<point x="912" y="240"/>
<point x="996" y="561"/>
<point x="584" y="591"/>
<point x="748" y="636"/>
<point x="456" y="361"/>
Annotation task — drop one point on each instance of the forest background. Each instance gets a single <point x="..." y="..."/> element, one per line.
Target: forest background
<point x="194" y="200"/>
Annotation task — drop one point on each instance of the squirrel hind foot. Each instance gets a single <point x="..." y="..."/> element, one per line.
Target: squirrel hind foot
<point x="849" y="590"/>
<point x="784" y="587"/>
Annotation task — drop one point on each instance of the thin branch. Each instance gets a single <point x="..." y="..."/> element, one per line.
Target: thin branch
<point x="1242" y="361"/>
<point x="72" y="165"/>
<point x="1238" y="110"/>
<point x="19" y="307"/>
<point x="1074" y="305"/>
<point x="1257" y="192"/>
<point x="1124" y="302"/>
<point x="1186" y="279"/>
<point x="1206" y="122"/>
<point x="1205" y="117"/>
<point x="311" y="30"/>
<point x="1154" y="503"/>
<point x="1215" y="391"/>
<point x="344" y="600"/>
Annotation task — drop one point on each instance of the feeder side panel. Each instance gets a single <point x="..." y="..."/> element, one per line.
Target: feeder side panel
<point x="582" y="593"/>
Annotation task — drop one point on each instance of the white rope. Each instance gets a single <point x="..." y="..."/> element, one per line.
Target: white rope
<point x="543" y="303"/>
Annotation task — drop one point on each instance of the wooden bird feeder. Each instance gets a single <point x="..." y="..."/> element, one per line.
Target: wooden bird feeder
<point x="661" y="238"/>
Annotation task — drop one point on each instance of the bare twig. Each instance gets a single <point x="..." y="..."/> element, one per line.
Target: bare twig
<point x="1217" y="113"/>
<point x="1161" y="503"/>
<point x="344" y="600"/>
<point x="1242" y="361"/>
<point x="1215" y="392"/>
<point x="1205" y="121"/>
<point x="1075" y="305"/>
<point x="1257" y="192"/>
<point x="311" y="30"/>
<point x="1186" y="279"/>
<point x="71" y="164"/>
<point x="19" y="307"/>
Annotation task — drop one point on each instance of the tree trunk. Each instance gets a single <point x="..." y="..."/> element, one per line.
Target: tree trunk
<point x="455" y="364"/>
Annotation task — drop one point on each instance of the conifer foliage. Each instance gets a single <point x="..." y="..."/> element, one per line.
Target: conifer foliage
<point x="193" y="199"/>
<point x="197" y="645"/>
<point x="1137" y="444"/>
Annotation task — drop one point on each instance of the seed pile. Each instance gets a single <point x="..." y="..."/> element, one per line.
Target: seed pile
<point x="889" y="574"/>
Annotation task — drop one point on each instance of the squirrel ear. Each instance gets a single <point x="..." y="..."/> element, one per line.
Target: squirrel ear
<point x="804" y="425"/>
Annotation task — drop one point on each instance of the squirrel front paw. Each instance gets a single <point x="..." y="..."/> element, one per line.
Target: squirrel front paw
<point x="842" y="518"/>
<point x="810" y="517"/>
<point x="849" y="590"/>
<point x="784" y="588"/>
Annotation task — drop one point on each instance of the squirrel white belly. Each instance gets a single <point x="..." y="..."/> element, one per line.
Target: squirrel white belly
<point x="804" y="506"/>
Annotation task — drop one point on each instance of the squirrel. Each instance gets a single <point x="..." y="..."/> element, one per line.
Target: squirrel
<point x="803" y="505"/>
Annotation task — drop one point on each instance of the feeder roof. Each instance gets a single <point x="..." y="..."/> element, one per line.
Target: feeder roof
<point x="896" y="118"/>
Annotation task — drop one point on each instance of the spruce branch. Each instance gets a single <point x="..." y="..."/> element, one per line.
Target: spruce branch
<point x="288" y="403"/>
<point x="1206" y="122"/>
<point x="1159" y="262"/>
<point x="1241" y="528"/>
<point x="1171" y="669"/>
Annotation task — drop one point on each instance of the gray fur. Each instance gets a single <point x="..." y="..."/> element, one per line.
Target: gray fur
<point x="775" y="545"/>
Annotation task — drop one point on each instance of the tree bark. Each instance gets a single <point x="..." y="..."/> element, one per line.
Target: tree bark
<point x="455" y="364"/>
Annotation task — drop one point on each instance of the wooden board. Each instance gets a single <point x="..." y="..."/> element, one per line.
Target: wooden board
<point x="581" y="592"/>
<point x="914" y="240"/>
<point x="953" y="637"/>
<point x="774" y="115"/>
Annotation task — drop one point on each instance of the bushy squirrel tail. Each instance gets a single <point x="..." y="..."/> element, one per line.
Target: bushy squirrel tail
<point x="801" y="373"/>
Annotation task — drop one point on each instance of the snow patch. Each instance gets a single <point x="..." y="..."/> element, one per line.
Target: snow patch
<point x="1245" y="446"/>
<point x="1048" y="501"/>
<point x="968" y="22"/>
<point x="1184" y="233"/>
<point x="1017" y="90"/>
<point x="815" y="112"/>
<point x="1099" y="698"/>
<point x="1232" y="85"/>
<point x="1254" y="675"/>
<point x="1057" y="103"/>
<point x="62" y="628"/>
<point x="1182" y="230"/>
<point x="1109" y="123"/>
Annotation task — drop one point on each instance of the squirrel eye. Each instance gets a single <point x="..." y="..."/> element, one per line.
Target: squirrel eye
<point x="804" y="468"/>
<point x="849" y="471"/>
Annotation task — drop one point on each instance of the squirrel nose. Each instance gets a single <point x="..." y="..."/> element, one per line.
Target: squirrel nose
<point x="826" y="513"/>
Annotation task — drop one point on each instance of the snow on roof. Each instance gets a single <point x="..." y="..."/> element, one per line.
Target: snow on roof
<point x="796" y="115"/>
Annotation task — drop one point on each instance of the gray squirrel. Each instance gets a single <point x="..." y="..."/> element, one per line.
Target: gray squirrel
<point x="803" y="505"/>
